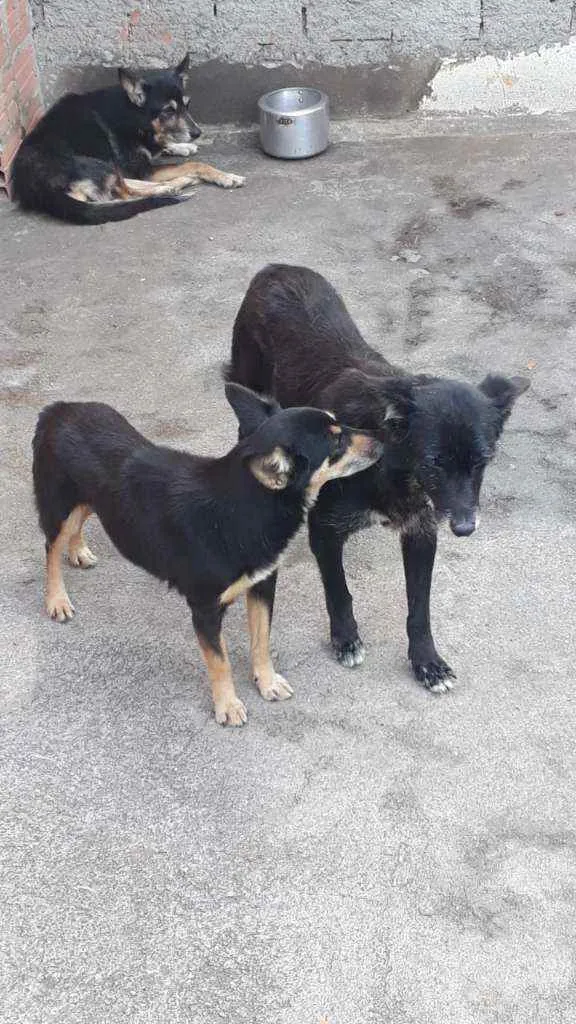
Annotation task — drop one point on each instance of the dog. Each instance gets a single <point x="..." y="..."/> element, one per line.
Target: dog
<point x="92" y="158"/>
<point x="213" y="528"/>
<point x="294" y="339"/>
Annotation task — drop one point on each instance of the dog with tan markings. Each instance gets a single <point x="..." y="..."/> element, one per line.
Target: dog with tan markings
<point x="213" y="528"/>
<point x="102" y="156"/>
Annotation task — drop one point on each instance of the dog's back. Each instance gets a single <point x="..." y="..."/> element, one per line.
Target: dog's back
<point x="293" y="335"/>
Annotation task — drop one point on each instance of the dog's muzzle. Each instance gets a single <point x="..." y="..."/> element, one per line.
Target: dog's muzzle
<point x="463" y="526"/>
<point x="194" y="131"/>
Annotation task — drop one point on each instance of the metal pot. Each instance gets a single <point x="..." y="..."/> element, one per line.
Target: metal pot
<point x="294" y="123"/>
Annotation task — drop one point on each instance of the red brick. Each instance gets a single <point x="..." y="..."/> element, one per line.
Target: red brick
<point x="26" y="88"/>
<point x="3" y="49"/>
<point x="23" y="64"/>
<point x="11" y="116"/>
<point x="18" y="28"/>
<point x="8" y="92"/>
<point x="9" y="150"/>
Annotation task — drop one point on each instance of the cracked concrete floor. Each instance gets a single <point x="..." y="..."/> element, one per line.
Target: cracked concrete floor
<point x="365" y="851"/>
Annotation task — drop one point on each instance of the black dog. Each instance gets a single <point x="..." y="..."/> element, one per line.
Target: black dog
<point x="294" y="339"/>
<point x="86" y="159"/>
<point x="211" y="528"/>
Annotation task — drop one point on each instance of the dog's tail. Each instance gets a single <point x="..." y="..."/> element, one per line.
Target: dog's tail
<point x="76" y="212"/>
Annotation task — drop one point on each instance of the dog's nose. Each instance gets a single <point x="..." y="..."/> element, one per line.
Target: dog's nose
<point x="463" y="527"/>
<point x="194" y="130"/>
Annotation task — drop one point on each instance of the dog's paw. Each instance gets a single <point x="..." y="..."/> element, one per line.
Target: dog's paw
<point x="349" y="653"/>
<point x="435" y="675"/>
<point x="82" y="558"/>
<point x="180" y="149"/>
<point x="231" y="712"/>
<point x="276" y="688"/>
<point x="60" y="607"/>
<point x="231" y="181"/>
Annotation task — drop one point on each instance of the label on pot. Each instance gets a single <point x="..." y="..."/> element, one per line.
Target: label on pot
<point x="285" y="121"/>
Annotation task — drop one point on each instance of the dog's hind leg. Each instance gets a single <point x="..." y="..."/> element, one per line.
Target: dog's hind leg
<point x="58" y="604"/>
<point x="260" y="604"/>
<point x="228" y="709"/>
<point x="418" y="552"/>
<point x="79" y="554"/>
<point x="196" y="172"/>
<point x="328" y="546"/>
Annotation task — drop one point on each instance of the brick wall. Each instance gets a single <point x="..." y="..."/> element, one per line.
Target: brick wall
<point x="20" y="98"/>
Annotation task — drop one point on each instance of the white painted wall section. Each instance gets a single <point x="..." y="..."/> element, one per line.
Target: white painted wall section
<point x="537" y="82"/>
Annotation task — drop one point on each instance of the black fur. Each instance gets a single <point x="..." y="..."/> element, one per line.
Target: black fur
<point x="102" y="136"/>
<point x="200" y="524"/>
<point x="295" y="339"/>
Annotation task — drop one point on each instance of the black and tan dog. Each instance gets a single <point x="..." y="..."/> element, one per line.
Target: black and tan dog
<point x="92" y="157"/>
<point x="212" y="528"/>
<point x="294" y="339"/>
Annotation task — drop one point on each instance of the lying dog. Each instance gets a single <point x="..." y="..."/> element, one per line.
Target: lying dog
<point x="294" y="339"/>
<point x="212" y="528"/>
<point x="90" y="159"/>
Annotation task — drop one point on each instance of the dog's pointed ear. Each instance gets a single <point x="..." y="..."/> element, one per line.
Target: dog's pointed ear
<point x="133" y="87"/>
<point x="251" y="409"/>
<point x="183" y="67"/>
<point x="378" y="404"/>
<point x="503" y="391"/>
<point x="273" y="469"/>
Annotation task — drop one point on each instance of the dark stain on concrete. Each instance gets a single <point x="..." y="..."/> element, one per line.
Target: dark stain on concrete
<point x="420" y="295"/>
<point x="31" y="321"/>
<point x="511" y="289"/>
<point x="461" y="203"/>
<point x="414" y="230"/>
<point x="512" y="184"/>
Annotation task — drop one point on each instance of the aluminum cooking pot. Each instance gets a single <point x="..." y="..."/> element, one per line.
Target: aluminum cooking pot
<point x="294" y="123"/>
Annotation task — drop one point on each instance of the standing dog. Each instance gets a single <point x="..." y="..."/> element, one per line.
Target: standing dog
<point x="294" y="339"/>
<point x="211" y="528"/>
<point x="91" y="158"/>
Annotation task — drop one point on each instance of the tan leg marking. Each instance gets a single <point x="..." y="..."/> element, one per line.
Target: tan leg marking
<point x="58" y="604"/>
<point x="79" y="554"/>
<point x="195" y="171"/>
<point x="135" y="187"/>
<point x="228" y="709"/>
<point x="271" y="684"/>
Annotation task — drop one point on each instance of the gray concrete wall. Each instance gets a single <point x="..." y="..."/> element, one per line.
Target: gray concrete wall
<point x="373" y="55"/>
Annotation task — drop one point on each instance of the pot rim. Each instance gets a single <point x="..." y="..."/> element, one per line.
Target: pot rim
<point x="321" y="105"/>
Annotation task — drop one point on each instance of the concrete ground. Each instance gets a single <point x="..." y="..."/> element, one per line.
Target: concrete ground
<point x="365" y="852"/>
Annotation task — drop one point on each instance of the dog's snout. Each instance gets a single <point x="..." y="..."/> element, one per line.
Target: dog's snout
<point x="464" y="526"/>
<point x="193" y="129"/>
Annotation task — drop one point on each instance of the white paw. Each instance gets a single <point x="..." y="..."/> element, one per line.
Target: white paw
<point x="60" y="607"/>
<point x="351" y="653"/>
<point x="181" y="149"/>
<point x="231" y="712"/>
<point x="276" y="688"/>
<point x="82" y="558"/>
<point x="231" y="181"/>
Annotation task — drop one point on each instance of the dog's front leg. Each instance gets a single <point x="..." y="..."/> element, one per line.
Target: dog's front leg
<point x="328" y="546"/>
<point x="229" y="710"/>
<point x="260" y="605"/>
<point x="418" y="552"/>
<point x="195" y="172"/>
